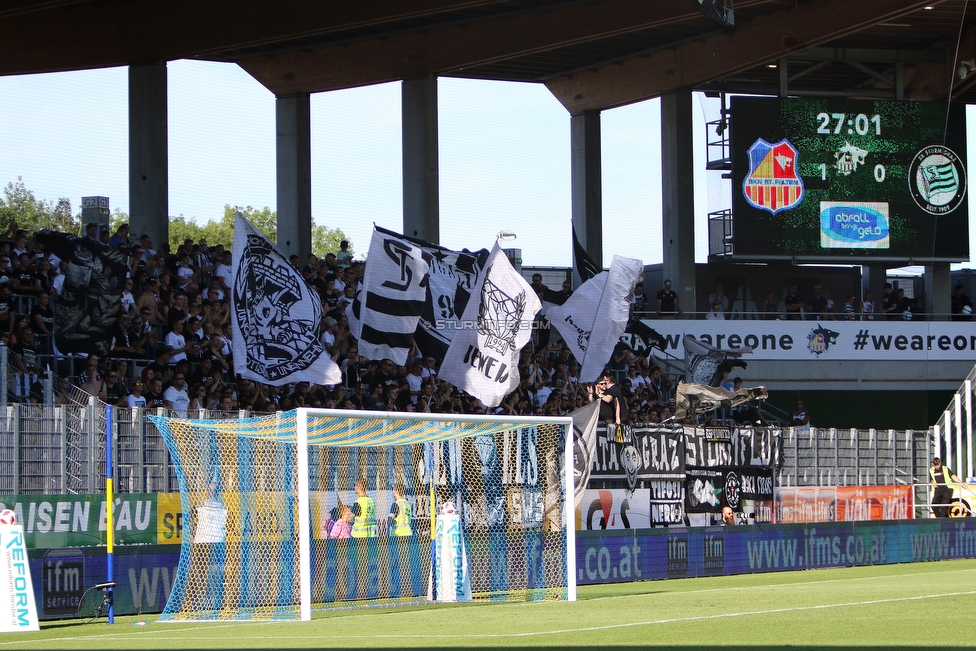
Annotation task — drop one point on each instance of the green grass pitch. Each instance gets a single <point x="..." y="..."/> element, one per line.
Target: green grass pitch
<point x="912" y="606"/>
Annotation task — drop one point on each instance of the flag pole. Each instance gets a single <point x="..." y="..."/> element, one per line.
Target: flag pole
<point x="433" y="536"/>
<point x="109" y="519"/>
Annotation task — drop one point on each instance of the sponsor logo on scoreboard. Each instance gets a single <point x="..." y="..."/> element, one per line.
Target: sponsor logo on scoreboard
<point x="854" y="225"/>
<point x="772" y="182"/>
<point x="937" y="180"/>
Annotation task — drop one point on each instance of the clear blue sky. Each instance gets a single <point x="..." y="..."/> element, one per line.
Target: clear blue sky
<point x="504" y="156"/>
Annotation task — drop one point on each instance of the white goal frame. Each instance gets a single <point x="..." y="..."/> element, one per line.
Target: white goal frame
<point x="304" y="502"/>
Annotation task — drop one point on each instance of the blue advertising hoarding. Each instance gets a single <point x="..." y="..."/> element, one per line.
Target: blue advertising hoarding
<point x="676" y="552"/>
<point x="145" y="573"/>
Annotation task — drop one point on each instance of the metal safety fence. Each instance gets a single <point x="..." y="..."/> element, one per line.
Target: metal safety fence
<point x="60" y="449"/>
<point x="812" y="456"/>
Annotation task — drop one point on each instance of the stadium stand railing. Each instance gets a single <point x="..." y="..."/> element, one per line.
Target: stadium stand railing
<point x="952" y="435"/>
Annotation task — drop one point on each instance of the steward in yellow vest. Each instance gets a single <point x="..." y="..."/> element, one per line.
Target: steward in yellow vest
<point x="364" y="526"/>
<point x="943" y="482"/>
<point x="402" y="514"/>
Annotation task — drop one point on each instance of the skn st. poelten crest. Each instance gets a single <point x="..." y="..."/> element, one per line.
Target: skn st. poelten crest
<point x="773" y="183"/>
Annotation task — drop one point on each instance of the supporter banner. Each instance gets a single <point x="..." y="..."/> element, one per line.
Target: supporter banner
<point x="704" y="490"/>
<point x="828" y="340"/>
<point x="745" y="446"/>
<point x="484" y="362"/>
<point x="639" y="453"/>
<point x="615" y="509"/>
<point x="79" y="520"/>
<point x="667" y="498"/>
<point x="840" y="503"/>
<point x="707" y="490"/>
<point x="617" y="556"/>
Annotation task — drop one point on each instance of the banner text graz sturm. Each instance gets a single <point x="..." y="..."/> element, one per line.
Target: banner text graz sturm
<point x="829" y="340"/>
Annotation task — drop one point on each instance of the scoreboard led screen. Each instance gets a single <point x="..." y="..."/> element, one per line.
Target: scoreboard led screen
<point x="842" y="180"/>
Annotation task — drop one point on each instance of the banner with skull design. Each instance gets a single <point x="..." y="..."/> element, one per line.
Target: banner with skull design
<point x="495" y="326"/>
<point x="275" y="316"/>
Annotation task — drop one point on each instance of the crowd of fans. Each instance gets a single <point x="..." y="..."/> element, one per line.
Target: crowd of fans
<point x="172" y="345"/>
<point x="788" y="304"/>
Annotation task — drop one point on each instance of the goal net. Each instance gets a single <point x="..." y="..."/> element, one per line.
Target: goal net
<point x="322" y="509"/>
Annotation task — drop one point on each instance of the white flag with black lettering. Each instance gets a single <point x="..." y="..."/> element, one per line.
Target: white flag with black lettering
<point x="385" y="314"/>
<point x="275" y="316"/>
<point x="593" y="318"/>
<point x="574" y="319"/>
<point x="483" y="358"/>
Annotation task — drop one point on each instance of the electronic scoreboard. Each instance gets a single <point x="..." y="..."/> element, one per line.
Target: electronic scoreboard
<point x="842" y="180"/>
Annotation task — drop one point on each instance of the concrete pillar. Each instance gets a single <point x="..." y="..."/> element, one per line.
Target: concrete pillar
<point x="873" y="279"/>
<point x="421" y="173"/>
<point x="148" y="153"/>
<point x="294" y="170"/>
<point x="938" y="290"/>
<point x="678" y="189"/>
<point x="587" y="179"/>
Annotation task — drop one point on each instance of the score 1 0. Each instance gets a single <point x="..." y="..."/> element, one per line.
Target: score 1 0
<point x="849" y="158"/>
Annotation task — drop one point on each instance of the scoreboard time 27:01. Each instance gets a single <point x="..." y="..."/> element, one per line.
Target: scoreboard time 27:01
<point x="835" y="179"/>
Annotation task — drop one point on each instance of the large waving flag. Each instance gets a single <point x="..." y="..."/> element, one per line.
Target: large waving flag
<point x="483" y="359"/>
<point x="88" y="306"/>
<point x="385" y="314"/>
<point x="585" y="265"/>
<point x="275" y="316"/>
<point x="392" y="311"/>
<point x="451" y="279"/>
<point x="708" y="365"/>
<point x="595" y="316"/>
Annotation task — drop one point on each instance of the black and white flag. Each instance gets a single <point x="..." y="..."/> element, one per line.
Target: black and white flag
<point x="385" y="314"/>
<point x="388" y="312"/>
<point x="275" y="316"/>
<point x="88" y="306"/>
<point x="708" y="365"/>
<point x="585" y="421"/>
<point x="452" y="277"/>
<point x="595" y="316"/>
<point x="483" y="358"/>
<point x="585" y="265"/>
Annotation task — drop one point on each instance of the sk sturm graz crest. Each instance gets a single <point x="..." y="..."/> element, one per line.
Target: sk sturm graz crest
<point x="937" y="180"/>
<point x="733" y="490"/>
<point x="275" y="310"/>
<point x="772" y="182"/>
<point x="499" y="317"/>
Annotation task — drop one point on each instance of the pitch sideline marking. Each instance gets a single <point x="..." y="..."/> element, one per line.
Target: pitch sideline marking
<point x="780" y="585"/>
<point x="584" y="629"/>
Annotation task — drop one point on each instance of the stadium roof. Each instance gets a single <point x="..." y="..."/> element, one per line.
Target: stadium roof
<point x="592" y="54"/>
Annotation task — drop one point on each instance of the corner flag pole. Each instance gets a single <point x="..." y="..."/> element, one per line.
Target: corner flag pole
<point x="109" y="519"/>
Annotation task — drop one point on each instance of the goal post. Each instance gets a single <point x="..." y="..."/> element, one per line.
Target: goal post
<point x="318" y="509"/>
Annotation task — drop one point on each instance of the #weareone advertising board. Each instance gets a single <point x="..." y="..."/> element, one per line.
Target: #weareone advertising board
<point x="848" y="180"/>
